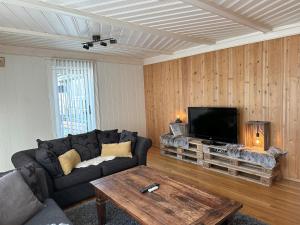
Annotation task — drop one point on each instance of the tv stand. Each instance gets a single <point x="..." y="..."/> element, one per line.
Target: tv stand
<point x="211" y="142"/>
<point x="214" y="156"/>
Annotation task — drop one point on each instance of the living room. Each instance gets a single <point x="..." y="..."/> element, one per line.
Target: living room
<point x="149" y="112"/>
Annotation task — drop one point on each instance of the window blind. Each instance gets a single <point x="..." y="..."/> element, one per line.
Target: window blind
<point x="74" y="96"/>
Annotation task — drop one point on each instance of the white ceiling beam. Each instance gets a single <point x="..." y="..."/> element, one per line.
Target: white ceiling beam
<point x="70" y="54"/>
<point x="78" y="39"/>
<point x="229" y="14"/>
<point x="104" y="19"/>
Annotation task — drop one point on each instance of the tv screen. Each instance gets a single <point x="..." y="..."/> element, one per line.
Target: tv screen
<point x="212" y="123"/>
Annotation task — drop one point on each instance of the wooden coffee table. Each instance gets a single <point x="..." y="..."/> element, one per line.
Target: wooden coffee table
<point x="173" y="203"/>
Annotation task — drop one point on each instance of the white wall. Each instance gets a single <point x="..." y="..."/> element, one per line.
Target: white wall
<point x="25" y="111"/>
<point x="121" y="97"/>
<point x="24" y="106"/>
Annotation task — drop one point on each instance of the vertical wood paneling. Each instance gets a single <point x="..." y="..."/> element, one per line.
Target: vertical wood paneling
<point x="292" y="105"/>
<point x="255" y="67"/>
<point x="274" y="74"/>
<point x="261" y="79"/>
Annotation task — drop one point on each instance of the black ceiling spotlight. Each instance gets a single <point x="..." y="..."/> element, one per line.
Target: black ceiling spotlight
<point x="97" y="38"/>
<point x="87" y="45"/>
<point x="112" y="41"/>
<point x="103" y="43"/>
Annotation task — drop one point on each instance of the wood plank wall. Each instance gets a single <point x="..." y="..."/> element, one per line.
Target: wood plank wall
<point x="261" y="79"/>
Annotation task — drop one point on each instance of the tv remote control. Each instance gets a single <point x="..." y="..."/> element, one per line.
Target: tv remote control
<point x="145" y="189"/>
<point x="153" y="189"/>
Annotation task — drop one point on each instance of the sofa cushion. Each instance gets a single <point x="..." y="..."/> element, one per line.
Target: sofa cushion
<point x="58" y="146"/>
<point x="18" y="203"/>
<point x="51" y="214"/>
<point x="129" y="136"/>
<point x="117" y="165"/>
<point x="117" y="149"/>
<point x="107" y="136"/>
<point x="48" y="159"/>
<point x="78" y="176"/>
<point x="69" y="160"/>
<point x="86" y="145"/>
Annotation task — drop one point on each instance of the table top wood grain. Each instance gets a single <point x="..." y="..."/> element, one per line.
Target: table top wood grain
<point x="173" y="203"/>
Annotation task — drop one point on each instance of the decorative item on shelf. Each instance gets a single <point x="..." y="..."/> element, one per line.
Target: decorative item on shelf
<point x="178" y="120"/>
<point x="178" y="129"/>
<point x="258" y="135"/>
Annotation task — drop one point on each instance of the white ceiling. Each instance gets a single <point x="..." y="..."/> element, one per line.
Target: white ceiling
<point x="143" y="29"/>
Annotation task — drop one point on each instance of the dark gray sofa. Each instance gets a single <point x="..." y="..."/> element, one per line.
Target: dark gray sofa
<point x="67" y="190"/>
<point x="50" y="214"/>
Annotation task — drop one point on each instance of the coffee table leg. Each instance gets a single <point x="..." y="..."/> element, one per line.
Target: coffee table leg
<point x="228" y="221"/>
<point x="101" y="209"/>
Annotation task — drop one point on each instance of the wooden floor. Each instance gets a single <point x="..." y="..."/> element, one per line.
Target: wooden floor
<point x="279" y="204"/>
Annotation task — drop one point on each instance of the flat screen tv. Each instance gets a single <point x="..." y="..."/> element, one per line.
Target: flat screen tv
<point x="213" y="123"/>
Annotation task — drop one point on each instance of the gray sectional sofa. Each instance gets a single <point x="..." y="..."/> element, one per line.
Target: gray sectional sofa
<point x="51" y="213"/>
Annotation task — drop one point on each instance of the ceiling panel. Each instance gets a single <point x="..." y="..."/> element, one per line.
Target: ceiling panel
<point x="273" y="12"/>
<point x="142" y="28"/>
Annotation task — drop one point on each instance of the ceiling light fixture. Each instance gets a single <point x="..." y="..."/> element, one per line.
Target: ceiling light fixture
<point x="97" y="38"/>
<point x="103" y="43"/>
<point x="86" y="46"/>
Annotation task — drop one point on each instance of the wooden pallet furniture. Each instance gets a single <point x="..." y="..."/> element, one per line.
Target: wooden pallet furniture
<point x="192" y="155"/>
<point x="216" y="159"/>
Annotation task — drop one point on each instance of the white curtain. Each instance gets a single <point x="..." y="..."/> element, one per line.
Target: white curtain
<point x="73" y="96"/>
<point x="97" y="97"/>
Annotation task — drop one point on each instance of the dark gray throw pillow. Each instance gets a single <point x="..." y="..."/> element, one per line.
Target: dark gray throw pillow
<point x="86" y="145"/>
<point x="107" y="137"/>
<point x="49" y="161"/>
<point x="18" y="203"/>
<point x="129" y="136"/>
<point x="58" y="146"/>
<point x="35" y="180"/>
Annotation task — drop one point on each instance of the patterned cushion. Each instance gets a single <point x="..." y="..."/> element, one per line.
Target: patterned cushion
<point x="86" y="145"/>
<point x="49" y="161"/>
<point x="34" y="180"/>
<point x="107" y="137"/>
<point x="129" y="136"/>
<point x="58" y="146"/>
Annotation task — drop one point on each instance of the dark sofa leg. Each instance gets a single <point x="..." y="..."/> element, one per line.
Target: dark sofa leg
<point x="101" y="209"/>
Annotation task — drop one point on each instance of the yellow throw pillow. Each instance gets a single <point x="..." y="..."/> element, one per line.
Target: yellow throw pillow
<point x="69" y="160"/>
<point x="122" y="149"/>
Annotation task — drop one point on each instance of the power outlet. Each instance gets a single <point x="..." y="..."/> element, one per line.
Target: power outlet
<point x="2" y="62"/>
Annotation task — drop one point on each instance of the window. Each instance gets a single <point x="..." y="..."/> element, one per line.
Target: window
<point x="74" y="96"/>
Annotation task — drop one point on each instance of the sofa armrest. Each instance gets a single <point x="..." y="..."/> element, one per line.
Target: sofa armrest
<point x="22" y="158"/>
<point x="4" y="173"/>
<point x="141" y="149"/>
